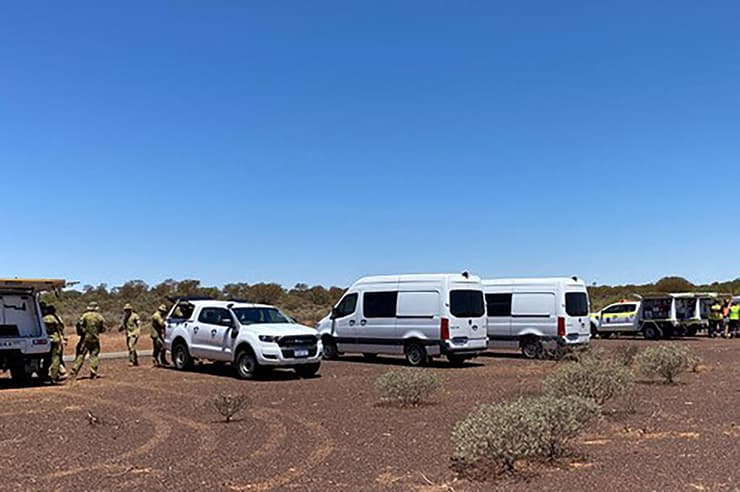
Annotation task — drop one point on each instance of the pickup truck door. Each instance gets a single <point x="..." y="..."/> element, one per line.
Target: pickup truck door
<point x="619" y="317"/>
<point x="212" y="334"/>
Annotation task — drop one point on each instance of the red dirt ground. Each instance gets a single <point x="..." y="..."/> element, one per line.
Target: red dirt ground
<point x="156" y="429"/>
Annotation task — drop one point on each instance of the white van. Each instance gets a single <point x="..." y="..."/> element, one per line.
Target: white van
<point x="537" y="314"/>
<point x="419" y="316"/>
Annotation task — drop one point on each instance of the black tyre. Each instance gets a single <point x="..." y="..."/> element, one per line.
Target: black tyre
<point x="416" y="354"/>
<point x="307" y="370"/>
<point x="456" y="360"/>
<point x="532" y="348"/>
<point x="651" y="332"/>
<point x="691" y="331"/>
<point x="605" y="334"/>
<point x="330" y="348"/>
<point x="19" y="374"/>
<point x="246" y="365"/>
<point x="181" y="359"/>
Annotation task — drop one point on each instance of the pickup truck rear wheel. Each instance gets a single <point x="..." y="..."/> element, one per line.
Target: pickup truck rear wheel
<point x="181" y="357"/>
<point x="651" y="331"/>
<point x="247" y="366"/>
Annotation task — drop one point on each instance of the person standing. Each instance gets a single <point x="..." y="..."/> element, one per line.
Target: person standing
<point x="715" y="318"/>
<point x="130" y="324"/>
<point x="55" y="330"/>
<point x="734" y="319"/>
<point x="90" y="325"/>
<point x="158" y="328"/>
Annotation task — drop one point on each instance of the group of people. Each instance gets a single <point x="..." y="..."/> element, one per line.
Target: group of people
<point x="89" y="327"/>
<point x="724" y="319"/>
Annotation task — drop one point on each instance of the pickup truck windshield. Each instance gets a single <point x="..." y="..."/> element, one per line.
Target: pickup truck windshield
<point x="250" y="316"/>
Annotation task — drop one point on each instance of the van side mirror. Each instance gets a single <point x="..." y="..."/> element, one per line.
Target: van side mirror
<point x="334" y="313"/>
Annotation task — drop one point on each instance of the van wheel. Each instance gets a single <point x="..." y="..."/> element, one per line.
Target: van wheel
<point x="456" y="360"/>
<point x="532" y="348"/>
<point x="307" y="370"/>
<point x="181" y="357"/>
<point x="330" y="348"/>
<point x="247" y="366"/>
<point x="651" y="332"/>
<point x="416" y="354"/>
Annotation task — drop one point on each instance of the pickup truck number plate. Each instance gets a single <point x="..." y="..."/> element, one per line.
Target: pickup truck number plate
<point x="301" y="352"/>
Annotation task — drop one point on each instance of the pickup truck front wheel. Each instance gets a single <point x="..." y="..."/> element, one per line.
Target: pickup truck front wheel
<point x="247" y="366"/>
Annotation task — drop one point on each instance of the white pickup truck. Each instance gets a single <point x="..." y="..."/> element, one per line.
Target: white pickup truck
<point x="252" y="337"/>
<point x="24" y="343"/>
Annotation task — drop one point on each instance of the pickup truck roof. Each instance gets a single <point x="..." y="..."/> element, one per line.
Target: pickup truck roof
<point x="31" y="284"/>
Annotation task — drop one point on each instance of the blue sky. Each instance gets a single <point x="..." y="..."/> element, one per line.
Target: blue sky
<point x="320" y="141"/>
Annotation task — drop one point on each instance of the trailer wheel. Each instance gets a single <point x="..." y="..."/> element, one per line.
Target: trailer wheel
<point x="651" y="331"/>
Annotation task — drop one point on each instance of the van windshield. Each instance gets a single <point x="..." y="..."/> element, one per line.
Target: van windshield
<point x="576" y="304"/>
<point x="467" y="303"/>
<point x="249" y="316"/>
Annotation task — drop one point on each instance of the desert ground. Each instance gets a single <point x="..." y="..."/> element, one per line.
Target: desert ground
<point x="157" y="429"/>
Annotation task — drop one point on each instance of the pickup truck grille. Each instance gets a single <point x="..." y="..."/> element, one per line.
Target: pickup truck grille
<point x="289" y="344"/>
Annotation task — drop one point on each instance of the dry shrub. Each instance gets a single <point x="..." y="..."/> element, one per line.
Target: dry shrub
<point x="536" y="428"/>
<point x="230" y="405"/>
<point x="666" y="361"/>
<point x="593" y="378"/>
<point x="625" y="354"/>
<point x="407" y="387"/>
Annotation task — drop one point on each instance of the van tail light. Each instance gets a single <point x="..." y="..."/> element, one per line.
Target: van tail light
<point x="444" y="329"/>
<point x="561" y="326"/>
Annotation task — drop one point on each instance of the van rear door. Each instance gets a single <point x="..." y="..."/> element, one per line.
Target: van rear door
<point x="577" y="321"/>
<point x="467" y="314"/>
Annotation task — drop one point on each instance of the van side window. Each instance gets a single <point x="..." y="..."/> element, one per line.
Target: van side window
<point x="499" y="305"/>
<point x="347" y="306"/>
<point x="379" y="304"/>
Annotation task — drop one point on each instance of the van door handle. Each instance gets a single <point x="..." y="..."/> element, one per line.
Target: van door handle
<point x="213" y="333"/>
<point x="363" y="322"/>
<point x="351" y="322"/>
<point x="195" y="329"/>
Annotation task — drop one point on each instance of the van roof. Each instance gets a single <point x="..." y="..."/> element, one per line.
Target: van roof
<point x="535" y="280"/>
<point x="418" y="277"/>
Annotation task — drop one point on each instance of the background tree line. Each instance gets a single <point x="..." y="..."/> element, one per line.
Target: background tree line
<point x="304" y="303"/>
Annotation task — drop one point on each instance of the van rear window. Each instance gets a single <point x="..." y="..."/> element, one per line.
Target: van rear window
<point x="576" y="303"/>
<point x="467" y="303"/>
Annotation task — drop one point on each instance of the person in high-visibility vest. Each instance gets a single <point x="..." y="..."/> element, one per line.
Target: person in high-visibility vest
<point x="715" y="318"/>
<point x="734" y="319"/>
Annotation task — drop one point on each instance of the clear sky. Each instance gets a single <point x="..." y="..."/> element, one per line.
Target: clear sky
<point x="315" y="141"/>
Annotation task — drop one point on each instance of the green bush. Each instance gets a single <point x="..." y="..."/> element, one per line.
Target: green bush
<point x="407" y="387"/>
<point x="666" y="361"/>
<point x="527" y="428"/>
<point x="592" y="377"/>
<point x="625" y="354"/>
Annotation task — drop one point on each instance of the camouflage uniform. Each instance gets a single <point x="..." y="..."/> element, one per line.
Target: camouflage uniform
<point x="158" y="328"/>
<point x="62" y="367"/>
<point x="55" y="330"/>
<point x="130" y="323"/>
<point x="90" y="326"/>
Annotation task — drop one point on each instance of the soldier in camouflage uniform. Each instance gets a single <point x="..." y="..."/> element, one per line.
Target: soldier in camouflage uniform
<point x="55" y="330"/>
<point x="130" y="323"/>
<point x="90" y="326"/>
<point x="158" y="327"/>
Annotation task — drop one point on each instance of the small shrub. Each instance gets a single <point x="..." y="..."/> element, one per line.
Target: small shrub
<point x="527" y="428"/>
<point x="407" y="387"/>
<point x="592" y="378"/>
<point x="625" y="354"/>
<point x="230" y="405"/>
<point x="666" y="361"/>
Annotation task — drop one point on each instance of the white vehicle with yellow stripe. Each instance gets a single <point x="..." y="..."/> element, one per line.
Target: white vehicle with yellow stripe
<point x="654" y="316"/>
<point x="24" y="343"/>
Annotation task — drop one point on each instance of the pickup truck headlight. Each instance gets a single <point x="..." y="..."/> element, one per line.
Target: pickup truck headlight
<point x="268" y="338"/>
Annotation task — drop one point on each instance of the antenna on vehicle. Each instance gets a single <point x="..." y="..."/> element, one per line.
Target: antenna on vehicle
<point x="466" y="274"/>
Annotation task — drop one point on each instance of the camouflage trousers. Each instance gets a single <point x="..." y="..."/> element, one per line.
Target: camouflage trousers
<point x="91" y="347"/>
<point x="158" y="352"/>
<point x="132" y="338"/>
<point x="57" y="352"/>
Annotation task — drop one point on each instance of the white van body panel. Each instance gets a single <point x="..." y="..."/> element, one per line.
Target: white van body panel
<point x="530" y="307"/>
<point x="417" y="304"/>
